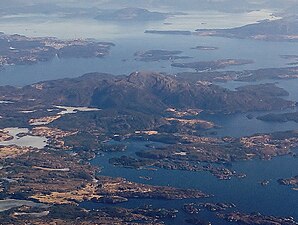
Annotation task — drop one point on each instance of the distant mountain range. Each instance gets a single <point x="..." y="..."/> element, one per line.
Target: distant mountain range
<point x="132" y="14"/>
<point x="285" y="29"/>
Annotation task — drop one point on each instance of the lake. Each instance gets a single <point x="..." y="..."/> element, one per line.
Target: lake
<point x="12" y="203"/>
<point x="25" y="140"/>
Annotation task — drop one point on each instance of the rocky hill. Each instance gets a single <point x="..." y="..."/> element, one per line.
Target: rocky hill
<point x="150" y="93"/>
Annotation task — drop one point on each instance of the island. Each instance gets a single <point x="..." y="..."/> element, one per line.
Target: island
<point x="285" y="29"/>
<point x="131" y="15"/>
<point x="292" y="58"/>
<point x="281" y="118"/>
<point x="283" y="73"/>
<point x="209" y="154"/>
<point x="256" y="219"/>
<point x="205" y="48"/>
<point x="169" y="32"/>
<point x="157" y="55"/>
<point x="109" y="92"/>
<point x="212" y="65"/>
<point x="70" y="214"/>
<point x="19" y="50"/>
<point x="292" y="182"/>
<point x="193" y="208"/>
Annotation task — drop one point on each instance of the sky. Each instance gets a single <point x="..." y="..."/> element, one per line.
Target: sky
<point x="224" y="5"/>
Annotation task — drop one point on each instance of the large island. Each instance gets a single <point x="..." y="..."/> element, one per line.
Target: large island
<point x="22" y="50"/>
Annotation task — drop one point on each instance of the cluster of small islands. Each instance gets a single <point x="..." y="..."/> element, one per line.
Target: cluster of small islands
<point x="50" y="131"/>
